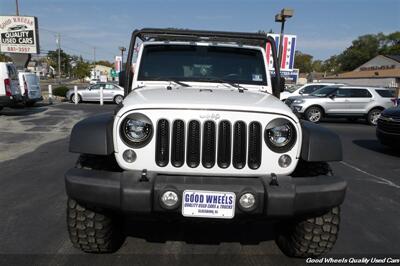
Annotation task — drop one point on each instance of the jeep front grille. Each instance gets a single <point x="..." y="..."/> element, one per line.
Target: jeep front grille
<point x="231" y="144"/>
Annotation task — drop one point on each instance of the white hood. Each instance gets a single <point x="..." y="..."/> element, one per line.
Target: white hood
<point x="159" y="97"/>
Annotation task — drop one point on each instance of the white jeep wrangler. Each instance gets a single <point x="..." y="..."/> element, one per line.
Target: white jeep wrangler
<point x="203" y="135"/>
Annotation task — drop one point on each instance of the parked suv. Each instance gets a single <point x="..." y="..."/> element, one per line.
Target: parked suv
<point x="343" y="101"/>
<point x="9" y="87"/>
<point x="305" y="90"/>
<point x="202" y="135"/>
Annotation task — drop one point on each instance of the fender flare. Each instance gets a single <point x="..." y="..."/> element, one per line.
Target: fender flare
<point x="93" y="135"/>
<point x="319" y="144"/>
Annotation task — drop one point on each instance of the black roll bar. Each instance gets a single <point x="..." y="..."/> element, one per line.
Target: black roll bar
<point x="157" y="34"/>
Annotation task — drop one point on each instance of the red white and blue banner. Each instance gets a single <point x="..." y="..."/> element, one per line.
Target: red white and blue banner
<point x="288" y="51"/>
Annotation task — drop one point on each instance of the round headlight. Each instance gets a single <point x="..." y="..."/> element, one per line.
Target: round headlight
<point x="136" y="130"/>
<point x="280" y="135"/>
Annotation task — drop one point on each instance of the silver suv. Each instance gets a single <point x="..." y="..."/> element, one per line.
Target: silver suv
<point x="342" y="101"/>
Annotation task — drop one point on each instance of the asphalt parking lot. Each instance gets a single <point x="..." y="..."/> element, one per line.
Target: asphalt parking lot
<point x="34" y="156"/>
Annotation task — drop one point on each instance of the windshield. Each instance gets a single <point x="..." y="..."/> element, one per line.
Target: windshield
<point x="325" y="91"/>
<point x="202" y="63"/>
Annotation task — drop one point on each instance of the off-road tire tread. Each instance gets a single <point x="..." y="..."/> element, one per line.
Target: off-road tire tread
<point x="311" y="237"/>
<point x="92" y="230"/>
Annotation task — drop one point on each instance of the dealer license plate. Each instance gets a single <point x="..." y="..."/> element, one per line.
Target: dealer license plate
<point x="208" y="204"/>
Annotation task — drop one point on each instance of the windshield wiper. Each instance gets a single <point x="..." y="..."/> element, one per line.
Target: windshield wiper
<point x="174" y="80"/>
<point x="233" y="84"/>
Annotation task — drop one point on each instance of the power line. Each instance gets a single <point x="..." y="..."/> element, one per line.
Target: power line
<point x="78" y="40"/>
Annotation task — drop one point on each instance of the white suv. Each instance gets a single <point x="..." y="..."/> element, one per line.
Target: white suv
<point x="203" y="135"/>
<point x="305" y="90"/>
<point x="343" y="101"/>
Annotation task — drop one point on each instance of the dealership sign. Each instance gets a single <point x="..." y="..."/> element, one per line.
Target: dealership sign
<point x="19" y="34"/>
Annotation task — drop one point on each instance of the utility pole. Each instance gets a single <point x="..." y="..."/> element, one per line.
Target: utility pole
<point x="122" y="49"/>
<point x="94" y="62"/>
<point x="59" y="56"/>
<point x="16" y="5"/>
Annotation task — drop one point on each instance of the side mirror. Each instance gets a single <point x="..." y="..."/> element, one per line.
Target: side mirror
<point x="332" y="96"/>
<point x="277" y="91"/>
<point x="301" y="92"/>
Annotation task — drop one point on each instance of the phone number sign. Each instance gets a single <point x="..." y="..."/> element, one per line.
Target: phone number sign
<point x="19" y="34"/>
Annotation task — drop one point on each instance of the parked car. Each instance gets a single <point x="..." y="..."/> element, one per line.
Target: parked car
<point x="343" y="101"/>
<point x="111" y="93"/>
<point x="203" y="136"/>
<point x="10" y="93"/>
<point x="94" y="81"/>
<point x="388" y="127"/>
<point x="29" y="84"/>
<point x="305" y="90"/>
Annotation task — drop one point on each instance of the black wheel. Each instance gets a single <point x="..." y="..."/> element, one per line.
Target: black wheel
<point x="373" y="115"/>
<point x="314" y="114"/>
<point x="309" y="237"/>
<point x="313" y="235"/>
<point x="90" y="228"/>
<point x="72" y="98"/>
<point x="118" y="99"/>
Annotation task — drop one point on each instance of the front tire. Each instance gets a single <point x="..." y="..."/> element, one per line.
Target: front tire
<point x="93" y="230"/>
<point x="315" y="234"/>
<point x="314" y="114"/>
<point x="310" y="237"/>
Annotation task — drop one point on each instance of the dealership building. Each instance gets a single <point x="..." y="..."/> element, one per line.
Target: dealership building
<point x="381" y="70"/>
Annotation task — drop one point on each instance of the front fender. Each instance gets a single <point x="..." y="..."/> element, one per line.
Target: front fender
<point x="319" y="144"/>
<point x="93" y="135"/>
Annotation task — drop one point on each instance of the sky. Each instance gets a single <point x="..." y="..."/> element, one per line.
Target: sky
<point x="323" y="27"/>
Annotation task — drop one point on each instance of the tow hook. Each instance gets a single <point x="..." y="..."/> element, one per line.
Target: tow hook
<point x="274" y="180"/>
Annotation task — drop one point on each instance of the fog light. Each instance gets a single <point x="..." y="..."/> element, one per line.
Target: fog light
<point x="247" y="200"/>
<point x="129" y="156"/>
<point x="169" y="199"/>
<point x="284" y="161"/>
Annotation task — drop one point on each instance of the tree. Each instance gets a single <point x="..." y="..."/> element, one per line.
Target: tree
<point x="104" y="63"/>
<point x="362" y="49"/>
<point x="65" y="60"/>
<point x="366" y="47"/>
<point x="303" y="62"/>
<point x="81" y="69"/>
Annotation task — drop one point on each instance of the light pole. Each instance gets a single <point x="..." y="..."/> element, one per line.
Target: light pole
<point x="122" y="49"/>
<point x="281" y="17"/>
<point x="17" y="7"/>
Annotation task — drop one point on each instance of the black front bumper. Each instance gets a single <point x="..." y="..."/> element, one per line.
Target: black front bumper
<point x="131" y="193"/>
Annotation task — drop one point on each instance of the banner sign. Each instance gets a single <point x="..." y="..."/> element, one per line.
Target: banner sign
<point x="288" y="51"/>
<point x="118" y="64"/>
<point x="19" y="34"/>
